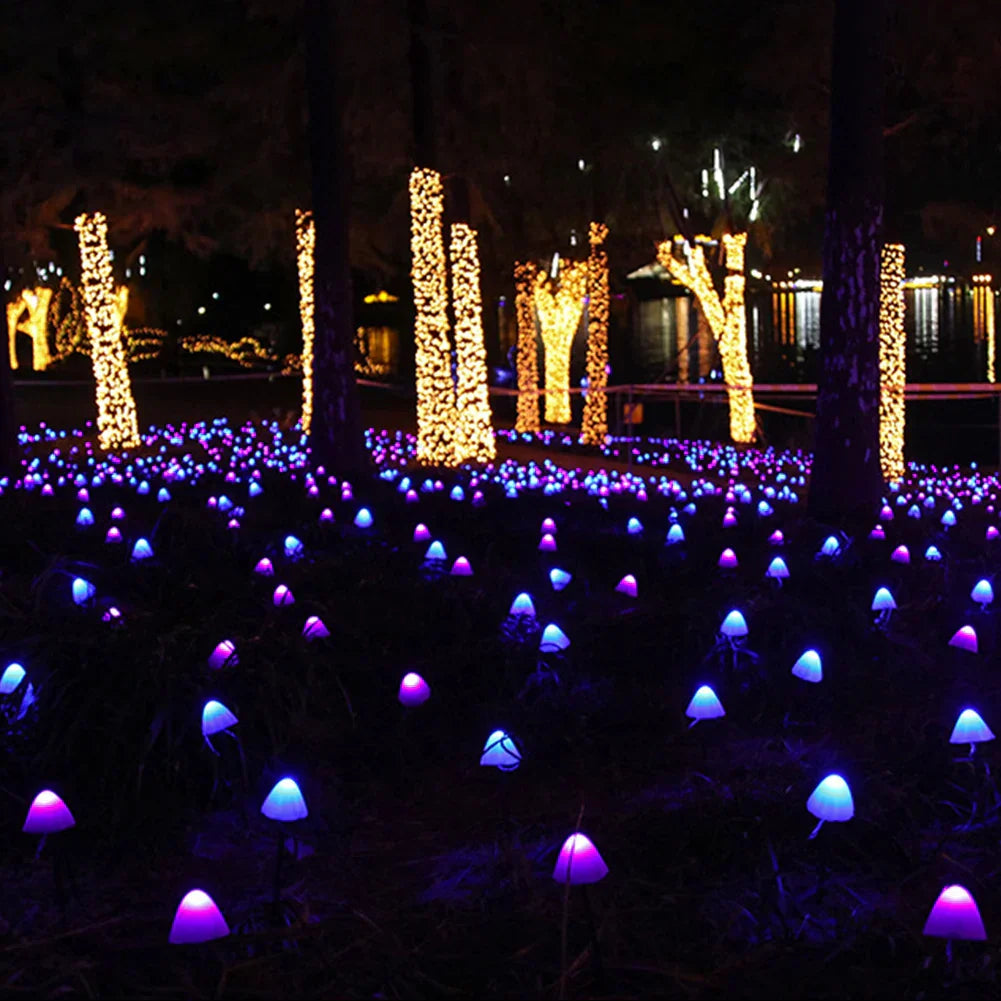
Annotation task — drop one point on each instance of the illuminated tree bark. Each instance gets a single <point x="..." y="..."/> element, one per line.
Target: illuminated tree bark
<point x="559" y="311"/>
<point x="727" y="319"/>
<point x="892" y="362"/>
<point x="9" y="451"/>
<point x="594" y="426"/>
<point x="305" y="244"/>
<point x="117" y="425"/>
<point x="474" y="439"/>
<point x="527" y="354"/>
<point x="846" y="479"/>
<point x="336" y="434"/>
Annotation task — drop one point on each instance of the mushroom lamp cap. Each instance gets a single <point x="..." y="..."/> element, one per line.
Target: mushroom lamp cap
<point x="705" y="704"/>
<point x="955" y="915"/>
<point x="734" y="625"/>
<point x="197" y="919"/>
<point x="216" y="718"/>
<point x="500" y="751"/>
<point x="579" y="861"/>
<point x="47" y="814"/>
<point x="285" y="802"/>
<point x="970" y="728"/>
<point x="832" y="800"/>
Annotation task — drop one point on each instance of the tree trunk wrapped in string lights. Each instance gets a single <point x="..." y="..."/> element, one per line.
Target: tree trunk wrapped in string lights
<point x="436" y="410"/>
<point x="36" y="326"/>
<point x="594" y="427"/>
<point x="474" y="435"/>
<point x="305" y="243"/>
<point x="116" y="409"/>
<point x="527" y="355"/>
<point x="727" y="319"/>
<point x="892" y="362"/>
<point x="983" y="319"/>
<point x="559" y="313"/>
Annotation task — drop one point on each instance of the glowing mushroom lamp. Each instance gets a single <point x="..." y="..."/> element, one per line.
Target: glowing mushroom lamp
<point x="704" y="705"/>
<point x="12" y="676"/>
<point x="216" y="718"/>
<point x="777" y="570"/>
<point x="286" y="805"/>
<point x="197" y="919"/>
<point x="47" y="814"/>
<point x="500" y="751"/>
<point x="955" y="915"/>
<point x="523" y="605"/>
<point x="809" y="667"/>
<point x="971" y="729"/>
<point x="579" y="862"/>
<point x="553" y="640"/>
<point x="831" y="800"/>
<point x="965" y="638"/>
<point x="982" y="594"/>
<point x="414" y="690"/>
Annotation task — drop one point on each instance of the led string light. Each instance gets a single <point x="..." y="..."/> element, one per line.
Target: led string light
<point x="305" y="244"/>
<point x="527" y="354"/>
<point x="559" y="315"/>
<point x="594" y="425"/>
<point x="733" y="343"/>
<point x="474" y="437"/>
<point x="727" y="319"/>
<point x="116" y="409"/>
<point x="436" y="412"/>
<point x="36" y="303"/>
<point x="892" y="362"/>
<point x="247" y="351"/>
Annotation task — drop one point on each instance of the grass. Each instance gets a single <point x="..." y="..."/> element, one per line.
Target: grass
<point x="423" y="875"/>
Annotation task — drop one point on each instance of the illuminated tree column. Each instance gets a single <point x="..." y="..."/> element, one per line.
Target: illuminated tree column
<point x="474" y="437"/>
<point x="527" y="355"/>
<point x="36" y="326"/>
<point x="436" y="413"/>
<point x="984" y="320"/>
<point x="305" y="242"/>
<point x="116" y="410"/>
<point x="594" y="426"/>
<point x="559" y="316"/>
<point x="892" y="363"/>
<point x="733" y="342"/>
<point x="727" y="319"/>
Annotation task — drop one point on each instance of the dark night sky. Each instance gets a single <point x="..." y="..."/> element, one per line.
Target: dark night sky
<point x="189" y="118"/>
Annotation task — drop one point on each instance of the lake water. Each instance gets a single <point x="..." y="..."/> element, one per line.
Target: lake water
<point x="950" y="337"/>
<point x="950" y="333"/>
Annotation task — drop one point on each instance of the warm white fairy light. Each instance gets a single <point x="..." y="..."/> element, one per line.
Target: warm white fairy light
<point x="474" y="438"/>
<point x="35" y="302"/>
<point x="892" y="361"/>
<point x="594" y="426"/>
<point x="116" y="410"/>
<point x="733" y="342"/>
<point x="305" y="244"/>
<point x="436" y="416"/>
<point x="727" y="319"/>
<point x="528" y="353"/>
<point x="559" y="311"/>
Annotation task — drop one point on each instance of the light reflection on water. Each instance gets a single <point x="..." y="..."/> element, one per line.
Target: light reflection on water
<point x="950" y="337"/>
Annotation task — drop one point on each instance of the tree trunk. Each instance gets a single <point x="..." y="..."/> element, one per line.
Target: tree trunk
<point x="422" y="84"/>
<point x="9" y="452"/>
<point x="846" y="481"/>
<point x="336" y="437"/>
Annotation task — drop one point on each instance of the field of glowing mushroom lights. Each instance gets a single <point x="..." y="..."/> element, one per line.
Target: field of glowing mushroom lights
<point x="346" y="739"/>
